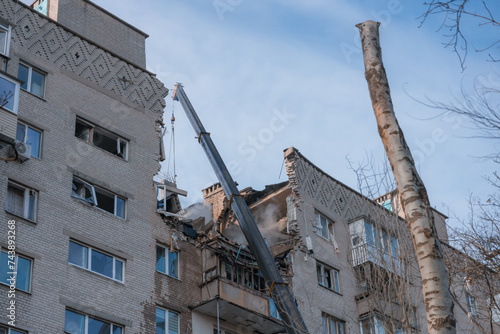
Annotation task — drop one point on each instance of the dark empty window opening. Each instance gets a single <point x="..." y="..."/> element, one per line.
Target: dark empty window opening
<point x="101" y="138"/>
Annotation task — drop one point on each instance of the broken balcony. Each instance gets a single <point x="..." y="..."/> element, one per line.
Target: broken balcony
<point x="233" y="285"/>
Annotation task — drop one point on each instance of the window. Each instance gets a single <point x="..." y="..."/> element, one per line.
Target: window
<point x="5" y="330"/>
<point x="4" y="39"/>
<point x="96" y="261"/>
<point x="34" y="80"/>
<point x="250" y="277"/>
<point x="324" y="226"/>
<point x="167" y="262"/>
<point x="379" y="238"/>
<point x="98" y="197"/>
<point x="21" y="201"/>
<point x="77" y="323"/>
<point x="328" y="277"/>
<point x="471" y="304"/>
<point x="101" y="138"/>
<point x="167" y="322"/>
<point x="166" y="200"/>
<point x="15" y="263"/>
<point x="332" y="325"/>
<point x="9" y="93"/>
<point x="31" y="137"/>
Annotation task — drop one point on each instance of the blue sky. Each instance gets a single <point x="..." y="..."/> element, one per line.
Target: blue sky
<point x="267" y="75"/>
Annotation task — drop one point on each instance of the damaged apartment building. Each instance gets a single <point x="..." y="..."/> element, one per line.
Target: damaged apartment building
<point x="348" y="260"/>
<point x="102" y="249"/>
<point x="80" y="143"/>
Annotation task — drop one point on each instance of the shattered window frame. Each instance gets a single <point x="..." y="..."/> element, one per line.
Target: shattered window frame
<point x="92" y="197"/>
<point x="101" y="138"/>
<point x="324" y="226"/>
<point x="328" y="277"/>
<point x="249" y="277"/>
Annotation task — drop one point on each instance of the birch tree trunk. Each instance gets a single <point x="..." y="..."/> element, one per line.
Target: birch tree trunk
<point x="414" y="199"/>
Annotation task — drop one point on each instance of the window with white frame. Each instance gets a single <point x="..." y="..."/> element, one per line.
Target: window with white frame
<point x="9" y="93"/>
<point x="366" y="233"/>
<point x="5" y="31"/>
<point x="471" y="304"/>
<point x="324" y="226"/>
<point x="332" y="325"/>
<point x="14" y="267"/>
<point x="96" y="261"/>
<point x="167" y="262"/>
<point x="33" y="79"/>
<point x="102" y="138"/>
<point x="6" y="330"/>
<point x="30" y="136"/>
<point x="328" y="277"/>
<point x="21" y="201"/>
<point x="167" y="322"/>
<point x="98" y="197"/>
<point x="79" y="323"/>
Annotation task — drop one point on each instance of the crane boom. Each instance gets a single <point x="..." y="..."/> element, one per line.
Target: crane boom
<point x="288" y="310"/>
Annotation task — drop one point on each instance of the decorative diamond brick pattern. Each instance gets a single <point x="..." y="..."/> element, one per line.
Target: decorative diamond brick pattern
<point x="53" y="43"/>
<point x="331" y="195"/>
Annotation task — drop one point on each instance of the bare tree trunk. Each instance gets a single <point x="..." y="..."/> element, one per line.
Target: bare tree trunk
<point x="414" y="200"/>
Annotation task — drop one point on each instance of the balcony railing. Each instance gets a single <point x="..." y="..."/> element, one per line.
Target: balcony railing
<point x="364" y="253"/>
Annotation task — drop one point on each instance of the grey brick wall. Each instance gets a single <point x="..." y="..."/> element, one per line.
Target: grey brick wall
<point x="87" y="86"/>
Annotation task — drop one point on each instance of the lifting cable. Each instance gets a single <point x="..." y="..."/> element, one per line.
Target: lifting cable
<point x="171" y="151"/>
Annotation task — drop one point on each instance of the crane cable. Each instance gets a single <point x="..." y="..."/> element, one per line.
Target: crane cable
<point x="171" y="152"/>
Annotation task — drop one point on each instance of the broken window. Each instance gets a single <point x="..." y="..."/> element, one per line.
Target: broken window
<point x="101" y="138"/>
<point x="328" y="277"/>
<point x="21" y="201"/>
<point x="250" y="277"/>
<point x="166" y="200"/>
<point x="98" y="197"/>
<point x="324" y="226"/>
<point x="84" y="191"/>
